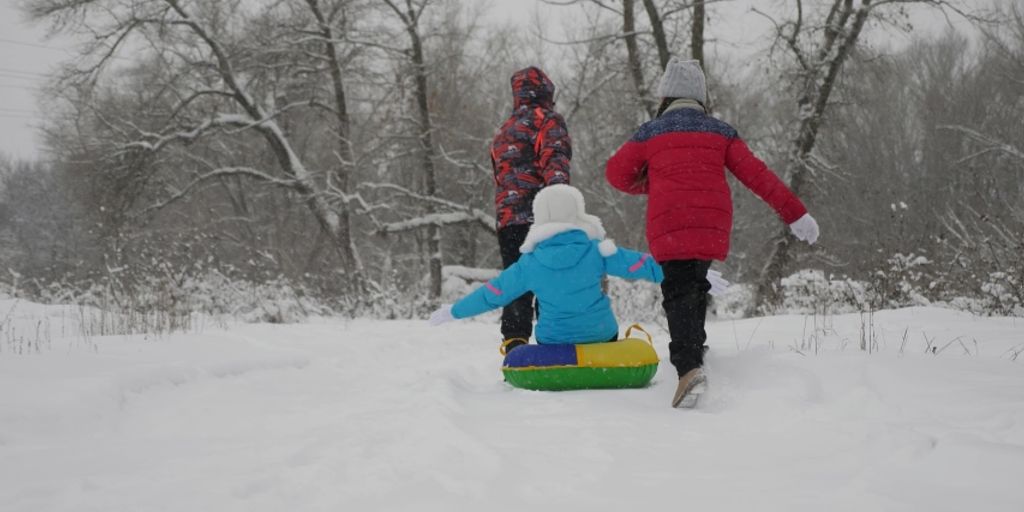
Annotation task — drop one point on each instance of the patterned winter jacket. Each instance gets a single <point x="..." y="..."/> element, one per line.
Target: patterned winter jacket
<point x="679" y="161"/>
<point x="532" y="148"/>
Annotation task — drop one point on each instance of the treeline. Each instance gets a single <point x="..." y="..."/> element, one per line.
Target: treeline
<point x="342" y="145"/>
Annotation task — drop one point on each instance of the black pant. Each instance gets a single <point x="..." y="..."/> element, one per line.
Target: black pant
<point x="685" y="290"/>
<point x="517" y="317"/>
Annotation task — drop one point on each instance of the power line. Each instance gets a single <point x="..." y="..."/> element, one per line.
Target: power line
<point x="17" y="110"/>
<point x="65" y="51"/>
<point x="32" y="45"/>
<point x="19" y="72"/>
<point x="23" y="87"/>
<point x="16" y="77"/>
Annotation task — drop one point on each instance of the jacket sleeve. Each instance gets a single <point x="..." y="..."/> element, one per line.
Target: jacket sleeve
<point x="630" y="264"/>
<point x="554" y="149"/>
<point x="626" y="170"/>
<point x="496" y="293"/>
<point x="753" y="173"/>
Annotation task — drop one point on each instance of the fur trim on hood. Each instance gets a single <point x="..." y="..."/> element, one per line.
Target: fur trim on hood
<point x="607" y="248"/>
<point x="541" y="232"/>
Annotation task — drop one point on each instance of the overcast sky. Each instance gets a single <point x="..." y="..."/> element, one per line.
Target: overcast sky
<point x="26" y="55"/>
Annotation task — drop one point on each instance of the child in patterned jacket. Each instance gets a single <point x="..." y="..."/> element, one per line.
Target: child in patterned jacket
<point x="531" y="150"/>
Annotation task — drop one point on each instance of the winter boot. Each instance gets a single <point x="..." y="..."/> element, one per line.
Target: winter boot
<point x="691" y="385"/>
<point x="511" y="343"/>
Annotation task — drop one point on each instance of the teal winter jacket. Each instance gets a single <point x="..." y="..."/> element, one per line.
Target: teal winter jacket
<point x="565" y="273"/>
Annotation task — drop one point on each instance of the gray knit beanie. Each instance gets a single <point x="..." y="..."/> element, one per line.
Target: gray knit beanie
<point x="683" y="79"/>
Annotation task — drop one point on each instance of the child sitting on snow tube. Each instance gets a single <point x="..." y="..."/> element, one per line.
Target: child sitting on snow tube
<point x="565" y="257"/>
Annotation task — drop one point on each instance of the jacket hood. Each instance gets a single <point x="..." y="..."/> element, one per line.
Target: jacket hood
<point x="531" y="87"/>
<point x="563" y="250"/>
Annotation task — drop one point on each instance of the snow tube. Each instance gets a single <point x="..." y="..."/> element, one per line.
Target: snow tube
<point x="628" y="363"/>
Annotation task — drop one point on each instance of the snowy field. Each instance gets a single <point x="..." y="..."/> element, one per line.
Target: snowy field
<point x="393" y="415"/>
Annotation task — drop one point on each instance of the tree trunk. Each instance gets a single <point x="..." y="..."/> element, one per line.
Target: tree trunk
<point x="697" y="42"/>
<point x="697" y="34"/>
<point x="343" y="171"/>
<point x="658" y="29"/>
<point x="635" y="68"/>
<point x="426" y="140"/>
<point x="275" y="138"/>
<point x="768" y="293"/>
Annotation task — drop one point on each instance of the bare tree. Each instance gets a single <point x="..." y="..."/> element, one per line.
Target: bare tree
<point x="697" y="34"/>
<point x="267" y="137"/>
<point x="410" y="15"/>
<point x="216" y="94"/>
<point x="631" y="34"/>
<point x="635" y="67"/>
<point x="820" y="48"/>
<point x="327" y="23"/>
<point x="658" y="32"/>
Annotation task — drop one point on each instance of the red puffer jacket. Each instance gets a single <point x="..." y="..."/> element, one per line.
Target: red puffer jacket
<point x="679" y="160"/>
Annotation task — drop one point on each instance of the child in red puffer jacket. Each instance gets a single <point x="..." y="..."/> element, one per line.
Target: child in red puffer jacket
<point x="678" y="160"/>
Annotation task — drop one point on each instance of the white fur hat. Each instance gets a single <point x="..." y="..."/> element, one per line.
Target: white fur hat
<point x="683" y="79"/>
<point x="558" y="203"/>
<point x="557" y="209"/>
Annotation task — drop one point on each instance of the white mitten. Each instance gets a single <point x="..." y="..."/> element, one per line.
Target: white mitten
<point x="718" y="285"/>
<point x="442" y="315"/>
<point x="805" y="228"/>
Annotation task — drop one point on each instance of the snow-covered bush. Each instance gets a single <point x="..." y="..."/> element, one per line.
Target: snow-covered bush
<point x="906" y="281"/>
<point x="156" y="303"/>
<point x="810" y="291"/>
<point x="169" y="301"/>
<point x="636" y="302"/>
<point x="734" y="303"/>
<point x="1002" y="294"/>
<point x="457" y="281"/>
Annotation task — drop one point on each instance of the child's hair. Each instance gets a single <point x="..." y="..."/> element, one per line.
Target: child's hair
<point x="665" y="102"/>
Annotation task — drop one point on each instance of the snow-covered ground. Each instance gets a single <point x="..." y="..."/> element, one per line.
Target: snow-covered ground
<point x="373" y="415"/>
